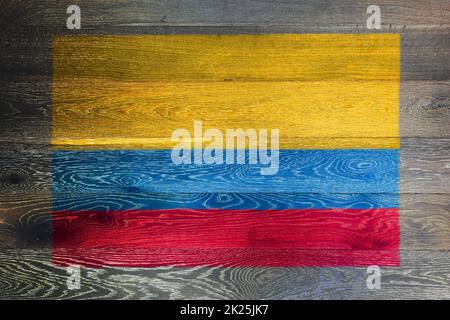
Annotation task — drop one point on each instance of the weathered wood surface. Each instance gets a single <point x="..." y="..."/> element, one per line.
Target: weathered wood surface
<point x="26" y="270"/>
<point x="26" y="83"/>
<point x="423" y="53"/>
<point x="313" y="14"/>
<point x="25" y="110"/>
<point x="248" y="81"/>
<point x="28" y="274"/>
<point x="148" y="112"/>
<point x="26" y="220"/>
<point x="237" y="58"/>
<point x="424" y="166"/>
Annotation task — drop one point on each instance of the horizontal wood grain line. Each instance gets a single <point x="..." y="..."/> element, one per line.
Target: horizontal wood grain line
<point x="325" y="14"/>
<point x="304" y="27"/>
<point x="30" y="274"/>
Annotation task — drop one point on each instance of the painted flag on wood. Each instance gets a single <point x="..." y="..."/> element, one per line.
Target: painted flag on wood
<point x="120" y="200"/>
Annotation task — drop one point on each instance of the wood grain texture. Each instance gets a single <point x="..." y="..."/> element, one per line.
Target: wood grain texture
<point x="29" y="274"/>
<point x="149" y="238"/>
<point x="339" y="229"/>
<point x="25" y="167"/>
<point x="425" y="220"/>
<point x="225" y="201"/>
<point x="276" y="57"/>
<point x="323" y="14"/>
<point x="27" y="221"/>
<point x="339" y="85"/>
<point x="26" y="85"/>
<point x="25" y="50"/>
<point x="26" y="82"/>
<point x="225" y="257"/>
<point x="307" y="171"/>
<point x="143" y="115"/>
<point x="424" y="109"/>
<point x="423" y="163"/>
<point x="25" y="110"/>
<point x="423" y="167"/>
<point x="24" y="119"/>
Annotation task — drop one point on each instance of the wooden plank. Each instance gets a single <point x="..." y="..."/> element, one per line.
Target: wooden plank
<point x="283" y="238"/>
<point x="25" y="50"/>
<point x="25" y="110"/>
<point x="144" y="115"/>
<point x="27" y="221"/>
<point x="424" y="167"/>
<point x="424" y="53"/>
<point x="301" y="57"/>
<point x="29" y="274"/>
<point x="25" y="168"/>
<point x="324" y="14"/>
<point x="308" y="171"/>
<point x="224" y="257"/>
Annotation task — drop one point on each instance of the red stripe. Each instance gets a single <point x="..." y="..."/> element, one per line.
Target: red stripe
<point x="334" y="237"/>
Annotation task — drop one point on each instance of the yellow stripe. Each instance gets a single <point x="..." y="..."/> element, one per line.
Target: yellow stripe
<point x="320" y="91"/>
<point x="225" y="57"/>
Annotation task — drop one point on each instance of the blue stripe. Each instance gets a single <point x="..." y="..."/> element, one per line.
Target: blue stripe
<point x="152" y="171"/>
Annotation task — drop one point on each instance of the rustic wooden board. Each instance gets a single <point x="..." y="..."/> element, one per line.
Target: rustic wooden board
<point x="138" y="115"/>
<point x="423" y="53"/>
<point x="424" y="166"/>
<point x="25" y="156"/>
<point x="324" y="14"/>
<point x="304" y="171"/>
<point x="25" y="110"/>
<point x="244" y="57"/>
<point x="26" y="220"/>
<point x="28" y="274"/>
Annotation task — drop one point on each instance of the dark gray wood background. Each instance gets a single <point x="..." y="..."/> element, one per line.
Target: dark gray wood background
<point x="26" y="271"/>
